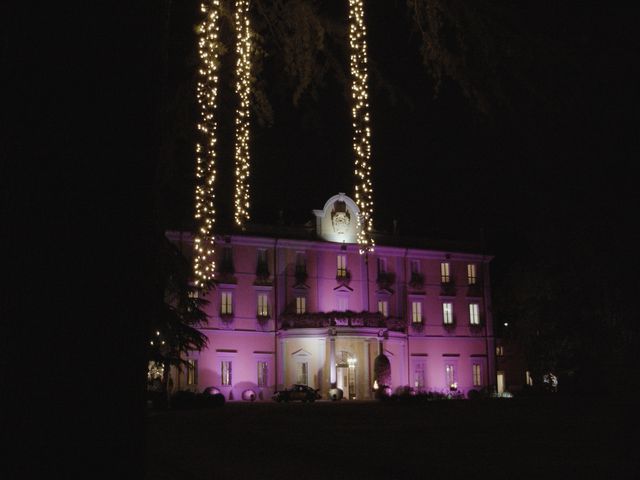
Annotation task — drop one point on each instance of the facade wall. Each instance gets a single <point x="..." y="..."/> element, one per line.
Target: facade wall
<point x="419" y="354"/>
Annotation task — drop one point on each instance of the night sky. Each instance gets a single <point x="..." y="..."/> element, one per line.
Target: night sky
<point x="536" y="167"/>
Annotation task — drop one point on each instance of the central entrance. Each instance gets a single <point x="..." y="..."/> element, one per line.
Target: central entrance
<point x="346" y="373"/>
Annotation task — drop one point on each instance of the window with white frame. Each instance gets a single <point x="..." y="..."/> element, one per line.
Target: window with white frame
<point x="447" y="313"/>
<point x="301" y="305"/>
<point x="342" y="266"/>
<point x="472" y="279"/>
<point x="477" y="375"/>
<point x="192" y="372"/>
<point x="445" y="272"/>
<point x="450" y="375"/>
<point x="303" y="373"/>
<point x="225" y="370"/>
<point x="263" y="305"/>
<point x="474" y="314"/>
<point x="383" y="307"/>
<point x="416" y="312"/>
<point x="226" y="303"/>
<point x="263" y="372"/>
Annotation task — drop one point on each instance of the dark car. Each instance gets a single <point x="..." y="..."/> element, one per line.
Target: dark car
<point x="297" y="392"/>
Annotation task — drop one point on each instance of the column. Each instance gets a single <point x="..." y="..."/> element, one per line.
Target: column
<point x="365" y="370"/>
<point x="282" y="368"/>
<point x="332" y="362"/>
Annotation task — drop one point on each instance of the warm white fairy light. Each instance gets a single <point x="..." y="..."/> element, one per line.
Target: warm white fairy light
<point x="362" y="132"/>
<point x="207" y="92"/>
<point x="243" y="80"/>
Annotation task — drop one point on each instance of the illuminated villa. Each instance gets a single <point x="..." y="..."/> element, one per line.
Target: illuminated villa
<point x="303" y="306"/>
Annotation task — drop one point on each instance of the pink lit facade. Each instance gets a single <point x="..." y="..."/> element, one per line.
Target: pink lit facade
<point x="305" y="307"/>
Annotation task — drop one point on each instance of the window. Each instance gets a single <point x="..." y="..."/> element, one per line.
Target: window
<point x="450" y="375"/>
<point x="528" y="378"/>
<point x="447" y="313"/>
<point x="192" y="372"/>
<point x="382" y="265"/>
<point x="262" y="374"/>
<point x="226" y="264"/>
<point x="262" y="265"/>
<point x="477" y="375"/>
<point x="415" y="266"/>
<point x="471" y="274"/>
<point x="303" y="373"/>
<point x="416" y="312"/>
<point x="418" y="376"/>
<point x="383" y="307"/>
<point x="474" y="314"/>
<point x="226" y="372"/>
<point x="499" y="351"/>
<point x="263" y="305"/>
<point x="445" y="276"/>
<point x="226" y="303"/>
<point x="342" y="266"/>
<point x="301" y="305"/>
<point x="343" y="304"/>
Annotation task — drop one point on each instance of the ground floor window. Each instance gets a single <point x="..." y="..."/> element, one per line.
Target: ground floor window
<point x="477" y="375"/>
<point x="262" y="374"/>
<point x="303" y="373"/>
<point x="418" y="376"/>
<point x="226" y="372"/>
<point x="450" y="375"/>
<point x="192" y="372"/>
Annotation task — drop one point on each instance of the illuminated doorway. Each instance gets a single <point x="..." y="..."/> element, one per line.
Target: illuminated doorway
<point x="346" y="373"/>
<point x="500" y="382"/>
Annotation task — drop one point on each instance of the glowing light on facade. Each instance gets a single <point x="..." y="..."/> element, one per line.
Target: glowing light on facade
<point x="242" y="124"/>
<point x="207" y="93"/>
<point x="362" y="132"/>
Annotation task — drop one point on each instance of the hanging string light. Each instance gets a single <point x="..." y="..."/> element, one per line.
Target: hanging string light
<point x="207" y="92"/>
<point x="243" y="78"/>
<point x="362" y="131"/>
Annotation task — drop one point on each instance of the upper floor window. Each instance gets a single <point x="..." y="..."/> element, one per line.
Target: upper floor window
<point x="262" y="264"/>
<point x="226" y="303"/>
<point x="263" y="305"/>
<point x="499" y="351"/>
<point x="415" y="266"/>
<point x="472" y="278"/>
<point x="447" y="313"/>
<point x="342" y="266"/>
<point x="226" y="263"/>
<point x="382" y="265"/>
<point x="445" y="272"/>
<point x="416" y="312"/>
<point x="383" y="307"/>
<point x="301" y="305"/>
<point x="474" y="314"/>
<point x="343" y="304"/>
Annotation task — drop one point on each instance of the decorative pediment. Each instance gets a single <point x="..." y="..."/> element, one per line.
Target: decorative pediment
<point x="343" y="288"/>
<point x="338" y="220"/>
<point x="301" y="353"/>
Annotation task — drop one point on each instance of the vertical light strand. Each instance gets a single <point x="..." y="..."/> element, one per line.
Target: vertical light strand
<point x="207" y="93"/>
<point x="361" y="129"/>
<point x="242" y="124"/>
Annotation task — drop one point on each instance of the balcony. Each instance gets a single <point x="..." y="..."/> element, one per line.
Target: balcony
<point x="343" y="277"/>
<point x="341" y="319"/>
<point x="416" y="282"/>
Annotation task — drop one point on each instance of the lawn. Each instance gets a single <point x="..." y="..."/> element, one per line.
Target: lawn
<point x="507" y="438"/>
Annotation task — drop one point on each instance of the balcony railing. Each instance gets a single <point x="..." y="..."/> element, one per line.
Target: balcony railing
<point x="341" y="319"/>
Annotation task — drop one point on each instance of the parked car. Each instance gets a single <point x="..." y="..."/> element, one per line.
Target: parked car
<point x="297" y="392"/>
